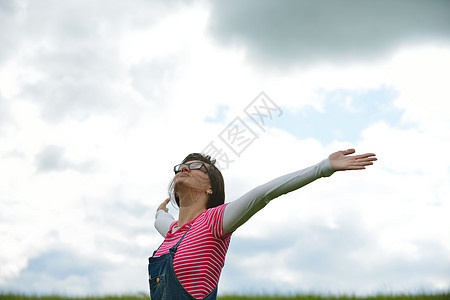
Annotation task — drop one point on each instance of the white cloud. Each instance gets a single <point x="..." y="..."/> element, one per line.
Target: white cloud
<point x="420" y="75"/>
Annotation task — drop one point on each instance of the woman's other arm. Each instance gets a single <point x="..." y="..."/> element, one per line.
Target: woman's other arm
<point x="239" y="211"/>
<point x="163" y="219"/>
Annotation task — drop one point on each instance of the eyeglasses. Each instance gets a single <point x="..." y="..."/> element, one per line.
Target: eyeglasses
<point x="196" y="165"/>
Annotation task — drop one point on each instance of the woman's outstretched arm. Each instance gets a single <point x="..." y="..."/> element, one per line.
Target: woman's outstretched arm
<point x="239" y="211"/>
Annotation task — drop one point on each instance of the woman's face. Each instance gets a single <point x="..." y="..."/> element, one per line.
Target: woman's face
<point x="193" y="175"/>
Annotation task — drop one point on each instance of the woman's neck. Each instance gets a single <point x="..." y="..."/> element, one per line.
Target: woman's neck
<point x="189" y="213"/>
<point x="193" y="202"/>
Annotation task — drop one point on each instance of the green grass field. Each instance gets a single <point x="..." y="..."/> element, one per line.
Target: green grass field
<point x="438" y="296"/>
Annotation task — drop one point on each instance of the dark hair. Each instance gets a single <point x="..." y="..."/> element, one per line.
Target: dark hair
<point x="217" y="184"/>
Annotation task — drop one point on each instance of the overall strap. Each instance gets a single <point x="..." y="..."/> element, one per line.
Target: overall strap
<point x="179" y="241"/>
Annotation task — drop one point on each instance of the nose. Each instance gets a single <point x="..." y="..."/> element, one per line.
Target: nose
<point x="184" y="168"/>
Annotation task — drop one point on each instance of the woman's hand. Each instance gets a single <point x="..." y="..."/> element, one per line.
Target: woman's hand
<point x="163" y="205"/>
<point x="342" y="160"/>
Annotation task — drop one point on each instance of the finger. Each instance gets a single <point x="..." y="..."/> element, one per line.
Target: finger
<point x="349" y="151"/>
<point x="356" y="168"/>
<point x="364" y="160"/>
<point x="362" y="163"/>
<point x="366" y="155"/>
<point x="369" y="159"/>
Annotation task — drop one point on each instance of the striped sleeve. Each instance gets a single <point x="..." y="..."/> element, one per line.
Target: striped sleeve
<point x="215" y="221"/>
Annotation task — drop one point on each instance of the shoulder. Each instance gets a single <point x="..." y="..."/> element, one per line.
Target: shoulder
<point x="216" y="211"/>
<point x="213" y="219"/>
<point x="172" y="225"/>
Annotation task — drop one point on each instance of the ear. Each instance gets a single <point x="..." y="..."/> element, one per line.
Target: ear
<point x="209" y="192"/>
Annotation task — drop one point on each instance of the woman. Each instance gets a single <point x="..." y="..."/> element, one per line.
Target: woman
<point x="188" y="263"/>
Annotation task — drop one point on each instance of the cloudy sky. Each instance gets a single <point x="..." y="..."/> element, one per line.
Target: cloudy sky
<point x="99" y="99"/>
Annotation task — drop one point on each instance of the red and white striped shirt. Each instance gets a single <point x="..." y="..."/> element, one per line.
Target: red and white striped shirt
<point x="200" y="256"/>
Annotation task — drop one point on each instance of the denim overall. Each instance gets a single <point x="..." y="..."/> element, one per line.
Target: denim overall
<point x="164" y="284"/>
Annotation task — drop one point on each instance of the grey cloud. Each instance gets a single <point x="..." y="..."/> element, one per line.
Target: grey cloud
<point x="60" y="264"/>
<point x="116" y="223"/>
<point x="15" y="153"/>
<point x="397" y="271"/>
<point x="152" y="78"/>
<point x="8" y="25"/>
<point x="302" y="31"/>
<point x="78" y="20"/>
<point x="7" y="6"/>
<point x="52" y="158"/>
<point x="62" y="95"/>
<point x="80" y="76"/>
<point x="74" y="46"/>
<point x="60" y="270"/>
<point x="5" y="115"/>
<point x="133" y="215"/>
<point x="73" y="24"/>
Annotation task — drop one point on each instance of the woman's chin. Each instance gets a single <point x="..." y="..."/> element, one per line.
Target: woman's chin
<point x="180" y="182"/>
